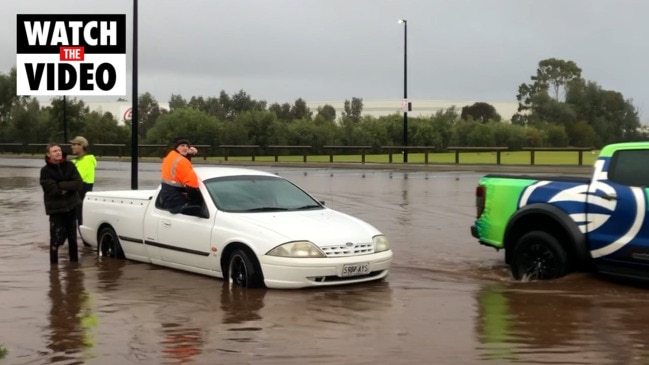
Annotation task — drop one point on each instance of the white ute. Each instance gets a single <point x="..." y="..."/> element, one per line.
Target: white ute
<point x="254" y="229"/>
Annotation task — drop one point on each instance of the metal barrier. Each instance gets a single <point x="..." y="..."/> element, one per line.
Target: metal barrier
<point x="278" y="148"/>
<point x="391" y="150"/>
<point x="227" y="147"/>
<point x="457" y="150"/>
<point x="580" y="150"/>
<point x="362" y="149"/>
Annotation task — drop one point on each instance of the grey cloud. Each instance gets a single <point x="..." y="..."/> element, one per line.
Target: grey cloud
<point x="279" y="50"/>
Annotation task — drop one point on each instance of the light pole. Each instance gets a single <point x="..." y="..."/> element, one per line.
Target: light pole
<point x="65" y="120"/>
<point x="134" y="111"/>
<point x="406" y="105"/>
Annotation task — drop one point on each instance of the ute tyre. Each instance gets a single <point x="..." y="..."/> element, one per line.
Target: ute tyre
<point x="243" y="272"/>
<point x="539" y="256"/>
<point x="108" y="244"/>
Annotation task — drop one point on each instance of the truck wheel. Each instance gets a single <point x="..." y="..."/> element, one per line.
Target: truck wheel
<point x="539" y="256"/>
<point x="243" y="272"/>
<point x="108" y="244"/>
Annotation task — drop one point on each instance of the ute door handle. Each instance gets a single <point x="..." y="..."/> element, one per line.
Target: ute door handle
<point x="166" y="223"/>
<point x="610" y="196"/>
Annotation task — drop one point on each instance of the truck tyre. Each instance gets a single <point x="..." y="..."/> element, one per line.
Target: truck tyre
<point x="539" y="256"/>
<point x="108" y="244"/>
<point x="243" y="271"/>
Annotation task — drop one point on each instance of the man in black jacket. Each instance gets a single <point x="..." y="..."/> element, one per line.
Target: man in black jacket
<point x="61" y="185"/>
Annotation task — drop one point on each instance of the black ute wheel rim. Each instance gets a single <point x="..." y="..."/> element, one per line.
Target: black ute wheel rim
<point x="539" y="262"/>
<point x="238" y="275"/>
<point x="538" y="255"/>
<point x="108" y="244"/>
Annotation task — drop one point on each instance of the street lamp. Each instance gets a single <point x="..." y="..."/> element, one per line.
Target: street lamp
<point x="134" y="111"/>
<point x="406" y="105"/>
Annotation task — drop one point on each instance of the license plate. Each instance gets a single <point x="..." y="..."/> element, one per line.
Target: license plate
<point x="356" y="269"/>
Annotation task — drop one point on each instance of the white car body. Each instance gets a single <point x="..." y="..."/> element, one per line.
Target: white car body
<point x="156" y="236"/>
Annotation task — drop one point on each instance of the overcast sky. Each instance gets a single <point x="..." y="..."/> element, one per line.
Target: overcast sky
<point x="279" y="50"/>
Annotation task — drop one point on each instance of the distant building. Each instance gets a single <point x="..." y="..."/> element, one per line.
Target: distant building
<point x="420" y="107"/>
<point x="376" y="107"/>
<point x="121" y="110"/>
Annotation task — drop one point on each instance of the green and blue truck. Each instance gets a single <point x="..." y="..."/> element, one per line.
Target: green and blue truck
<point x="551" y="226"/>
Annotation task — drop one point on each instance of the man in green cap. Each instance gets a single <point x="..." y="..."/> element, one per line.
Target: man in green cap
<point x="86" y="164"/>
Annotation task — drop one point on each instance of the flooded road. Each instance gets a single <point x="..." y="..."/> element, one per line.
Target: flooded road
<point x="448" y="300"/>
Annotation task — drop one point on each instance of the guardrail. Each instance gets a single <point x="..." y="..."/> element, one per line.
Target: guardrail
<point x="580" y="150"/>
<point x="335" y="152"/>
<point x="457" y="151"/>
<point x="11" y="147"/>
<point x="227" y="147"/>
<point x="392" y="149"/>
<point x="277" y="148"/>
<point x="332" y="149"/>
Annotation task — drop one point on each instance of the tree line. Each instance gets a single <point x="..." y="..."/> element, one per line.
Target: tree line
<point x="557" y="108"/>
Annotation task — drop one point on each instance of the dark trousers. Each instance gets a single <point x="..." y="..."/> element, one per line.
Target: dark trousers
<point x="63" y="226"/>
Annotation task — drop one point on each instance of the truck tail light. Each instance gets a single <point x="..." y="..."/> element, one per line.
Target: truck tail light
<point x="480" y="194"/>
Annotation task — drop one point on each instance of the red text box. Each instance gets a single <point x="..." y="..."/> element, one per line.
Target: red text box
<point x="71" y="54"/>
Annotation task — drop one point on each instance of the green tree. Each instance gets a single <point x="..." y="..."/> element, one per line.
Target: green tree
<point x="103" y="128"/>
<point x="373" y="132"/>
<point x="177" y="102"/>
<point x="509" y="135"/>
<point x="327" y="112"/>
<point x="556" y="136"/>
<point x="261" y="126"/>
<point x="197" y="126"/>
<point x="74" y="110"/>
<point x="29" y="123"/>
<point x="148" y="113"/>
<point x="422" y="132"/>
<point x="242" y="102"/>
<point x="8" y="97"/>
<point x="582" y="134"/>
<point x="305" y="132"/>
<point x="213" y="107"/>
<point x="480" y="112"/>
<point x="552" y="74"/>
<point x="612" y="117"/>
<point x="482" y="135"/>
<point x="443" y="123"/>
<point x="461" y="131"/>
<point x="299" y="110"/>
<point x="352" y="110"/>
<point x="283" y="111"/>
<point x="198" y="103"/>
<point x="556" y="75"/>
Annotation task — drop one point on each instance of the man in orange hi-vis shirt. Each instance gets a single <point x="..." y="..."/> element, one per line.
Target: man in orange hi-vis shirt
<point x="179" y="181"/>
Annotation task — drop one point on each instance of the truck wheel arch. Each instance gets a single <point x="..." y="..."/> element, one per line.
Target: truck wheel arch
<point x="232" y="248"/>
<point x="553" y="220"/>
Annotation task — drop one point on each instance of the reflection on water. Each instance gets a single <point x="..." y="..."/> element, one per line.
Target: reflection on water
<point x="240" y="305"/>
<point x="181" y="344"/>
<point x="71" y="318"/>
<point x="543" y="323"/>
<point x="109" y="273"/>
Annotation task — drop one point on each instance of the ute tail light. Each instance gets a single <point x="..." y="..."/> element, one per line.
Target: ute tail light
<point x="480" y="194"/>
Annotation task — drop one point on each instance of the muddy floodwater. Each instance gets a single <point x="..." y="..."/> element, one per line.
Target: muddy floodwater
<point x="448" y="300"/>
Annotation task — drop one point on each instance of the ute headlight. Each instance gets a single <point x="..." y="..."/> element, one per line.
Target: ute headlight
<point x="297" y="249"/>
<point x="380" y="243"/>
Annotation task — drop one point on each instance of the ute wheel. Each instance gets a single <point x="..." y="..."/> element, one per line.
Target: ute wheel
<point x="108" y="244"/>
<point x="539" y="256"/>
<point x="243" y="271"/>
